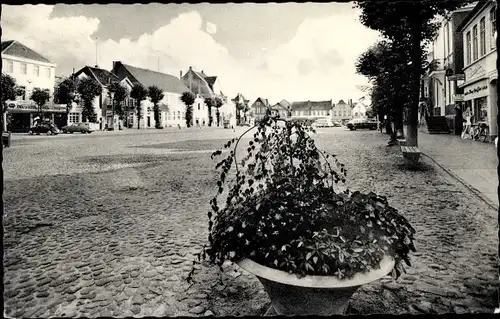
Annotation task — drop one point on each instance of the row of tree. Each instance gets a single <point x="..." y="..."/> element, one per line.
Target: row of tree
<point x="396" y="64"/>
<point x="86" y="90"/>
<point x="72" y="90"/>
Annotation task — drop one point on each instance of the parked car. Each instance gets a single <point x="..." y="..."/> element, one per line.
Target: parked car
<point x="45" y="127"/>
<point x="362" y="123"/>
<point x="337" y="124"/>
<point x="80" y="127"/>
<point x="324" y="122"/>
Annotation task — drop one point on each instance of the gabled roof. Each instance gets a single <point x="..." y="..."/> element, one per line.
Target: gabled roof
<point x="103" y="77"/>
<point x="341" y="102"/>
<point x="283" y="104"/>
<point x="312" y="105"/>
<point x="207" y="89"/>
<point x="16" y="48"/>
<point x="166" y="82"/>
<point x="262" y="100"/>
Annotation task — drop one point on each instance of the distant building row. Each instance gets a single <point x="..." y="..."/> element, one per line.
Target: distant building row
<point x="31" y="70"/>
<point x="310" y="109"/>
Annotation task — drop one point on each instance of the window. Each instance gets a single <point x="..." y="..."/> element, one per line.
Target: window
<point x="10" y="66"/>
<point x="474" y="43"/>
<point x="493" y="22"/>
<point x="482" y="37"/>
<point x="178" y="115"/>
<point x="74" y="117"/>
<point x="199" y="106"/>
<point x="47" y="72"/>
<point x="23" y="93"/>
<point x="257" y="103"/>
<point x="36" y="70"/>
<point x="24" y="68"/>
<point x="469" y="48"/>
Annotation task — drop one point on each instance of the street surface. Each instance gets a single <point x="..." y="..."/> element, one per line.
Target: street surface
<point x="107" y="224"/>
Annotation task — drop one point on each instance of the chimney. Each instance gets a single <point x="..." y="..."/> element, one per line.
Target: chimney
<point x="96" y="66"/>
<point x="180" y="77"/>
<point x="190" y="68"/>
<point x="114" y="65"/>
<point x="202" y="72"/>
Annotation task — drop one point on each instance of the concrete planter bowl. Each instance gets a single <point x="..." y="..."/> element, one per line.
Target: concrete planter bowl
<point x="311" y="295"/>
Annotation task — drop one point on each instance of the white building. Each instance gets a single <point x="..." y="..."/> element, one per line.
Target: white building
<point x="479" y="43"/>
<point x="358" y="110"/>
<point x="172" y="109"/>
<point x="31" y="70"/>
<point x="342" y="111"/>
<point x="205" y="86"/>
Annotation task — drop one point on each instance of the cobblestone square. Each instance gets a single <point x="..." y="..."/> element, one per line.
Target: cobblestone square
<point x="108" y="224"/>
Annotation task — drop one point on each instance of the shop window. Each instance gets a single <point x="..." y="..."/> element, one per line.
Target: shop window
<point x="74" y="117"/>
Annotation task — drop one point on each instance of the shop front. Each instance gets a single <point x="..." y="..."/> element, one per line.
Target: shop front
<point x="480" y="101"/>
<point x="21" y="115"/>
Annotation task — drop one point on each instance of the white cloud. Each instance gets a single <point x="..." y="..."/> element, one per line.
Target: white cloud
<point x="318" y="63"/>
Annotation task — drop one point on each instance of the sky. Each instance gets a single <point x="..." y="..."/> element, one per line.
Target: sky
<point x="290" y="51"/>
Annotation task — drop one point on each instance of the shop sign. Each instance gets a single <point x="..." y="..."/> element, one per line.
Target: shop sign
<point x="476" y="89"/>
<point x="458" y="97"/>
<point x="457" y="77"/>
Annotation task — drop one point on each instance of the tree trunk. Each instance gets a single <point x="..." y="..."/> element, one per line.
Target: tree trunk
<point x="138" y="106"/>
<point x="416" y="57"/>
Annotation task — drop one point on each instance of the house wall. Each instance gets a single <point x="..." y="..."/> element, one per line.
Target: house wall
<point x="341" y="112"/>
<point x="30" y="80"/>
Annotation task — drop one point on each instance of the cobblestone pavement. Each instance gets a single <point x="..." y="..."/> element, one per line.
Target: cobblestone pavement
<point x="107" y="226"/>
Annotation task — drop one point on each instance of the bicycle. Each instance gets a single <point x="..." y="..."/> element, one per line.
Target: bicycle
<point x="481" y="131"/>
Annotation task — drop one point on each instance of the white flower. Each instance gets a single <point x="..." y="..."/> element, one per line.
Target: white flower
<point x="240" y="235"/>
<point x="230" y="229"/>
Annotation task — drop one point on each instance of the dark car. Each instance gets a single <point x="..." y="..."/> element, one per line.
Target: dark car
<point x="45" y="128"/>
<point x="362" y="123"/>
<point x="80" y="127"/>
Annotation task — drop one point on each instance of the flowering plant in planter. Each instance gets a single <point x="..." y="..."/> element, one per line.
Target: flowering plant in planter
<point x="284" y="208"/>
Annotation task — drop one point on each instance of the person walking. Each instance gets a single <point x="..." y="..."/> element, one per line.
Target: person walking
<point x="468" y="123"/>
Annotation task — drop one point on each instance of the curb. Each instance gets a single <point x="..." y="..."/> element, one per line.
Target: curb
<point x="464" y="183"/>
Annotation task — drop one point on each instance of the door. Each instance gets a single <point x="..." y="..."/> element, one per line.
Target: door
<point x="149" y="121"/>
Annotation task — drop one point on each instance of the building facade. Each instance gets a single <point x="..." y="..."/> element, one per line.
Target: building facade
<point x="441" y="88"/>
<point x="244" y="111"/>
<point x="341" y="112"/>
<point x="259" y="109"/>
<point x="172" y="109"/>
<point x="283" y="109"/>
<point x="31" y="70"/>
<point x="480" y="71"/>
<point x="358" y="110"/>
<point x="311" y="110"/>
<point x="205" y="86"/>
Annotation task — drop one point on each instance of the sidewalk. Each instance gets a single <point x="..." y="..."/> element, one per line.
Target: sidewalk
<point x="474" y="163"/>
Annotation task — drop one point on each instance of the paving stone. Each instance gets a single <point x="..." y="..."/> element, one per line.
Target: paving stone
<point x="70" y="298"/>
<point x="149" y="274"/>
<point x="134" y="274"/>
<point x="42" y="294"/>
<point x="197" y="310"/>
<point x="137" y="300"/>
<point x="135" y="309"/>
<point x="208" y="313"/>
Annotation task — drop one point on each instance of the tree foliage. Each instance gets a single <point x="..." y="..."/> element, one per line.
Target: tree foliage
<point x="138" y="93"/>
<point x="88" y="89"/>
<point x="210" y="103"/>
<point x="218" y="103"/>
<point x="9" y="90"/>
<point x="66" y="92"/>
<point x="120" y="94"/>
<point x="40" y="97"/>
<point x="156" y="95"/>
<point x="188" y="98"/>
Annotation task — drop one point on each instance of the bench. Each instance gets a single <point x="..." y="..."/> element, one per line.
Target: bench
<point x="6" y="139"/>
<point x="411" y="153"/>
<point x="401" y="141"/>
